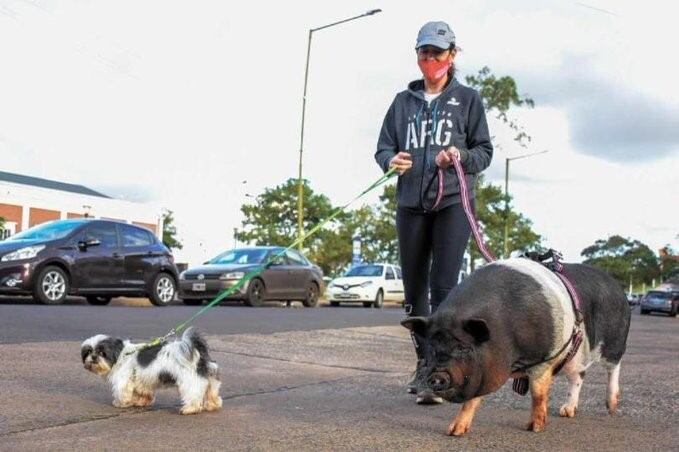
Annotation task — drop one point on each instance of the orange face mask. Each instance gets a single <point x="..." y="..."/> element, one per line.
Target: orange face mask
<point x="433" y="70"/>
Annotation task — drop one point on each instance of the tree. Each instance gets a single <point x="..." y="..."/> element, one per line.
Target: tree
<point x="491" y="217"/>
<point x="669" y="264"/>
<point x="623" y="258"/>
<point x="2" y="226"/>
<point x="170" y="231"/>
<point x="498" y="96"/>
<point x="273" y="221"/>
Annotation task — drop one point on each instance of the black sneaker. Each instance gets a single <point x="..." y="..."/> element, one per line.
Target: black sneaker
<point x="411" y="388"/>
<point x="427" y="397"/>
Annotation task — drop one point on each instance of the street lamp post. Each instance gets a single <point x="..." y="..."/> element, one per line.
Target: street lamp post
<point x="300" y="188"/>
<point x="507" y="160"/>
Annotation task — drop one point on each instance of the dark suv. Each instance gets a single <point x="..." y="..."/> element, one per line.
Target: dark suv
<point x="98" y="259"/>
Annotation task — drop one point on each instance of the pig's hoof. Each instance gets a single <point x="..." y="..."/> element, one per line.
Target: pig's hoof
<point x="568" y="410"/>
<point x="458" y="428"/>
<point x="536" y="426"/>
<point x="612" y="406"/>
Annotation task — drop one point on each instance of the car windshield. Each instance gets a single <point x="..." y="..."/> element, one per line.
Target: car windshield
<point x="241" y="256"/>
<point x="365" y="270"/>
<point x="53" y="230"/>
<point x="659" y="295"/>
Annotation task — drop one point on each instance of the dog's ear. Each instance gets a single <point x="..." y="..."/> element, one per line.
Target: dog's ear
<point x="478" y="329"/>
<point x="85" y="352"/>
<point x="112" y="347"/>
<point x="417" y="325"/>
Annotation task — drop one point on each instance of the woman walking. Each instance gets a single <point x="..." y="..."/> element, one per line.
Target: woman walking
<point x="432" y="122"/>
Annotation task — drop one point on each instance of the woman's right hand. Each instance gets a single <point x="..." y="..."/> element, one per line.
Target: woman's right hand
<point x="402" y="162"/>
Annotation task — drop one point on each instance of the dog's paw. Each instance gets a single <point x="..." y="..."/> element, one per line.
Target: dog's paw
<point x="190" y="410"/>
<point x="119" y="404"/>
<point x="567" y="410"/>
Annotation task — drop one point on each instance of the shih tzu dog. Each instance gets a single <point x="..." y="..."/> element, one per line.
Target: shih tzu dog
<point x="135" y="372"/>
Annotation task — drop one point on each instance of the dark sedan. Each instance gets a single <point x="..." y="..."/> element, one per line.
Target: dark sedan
<point x="290" y="277"/>
<point x="98" y="259"/>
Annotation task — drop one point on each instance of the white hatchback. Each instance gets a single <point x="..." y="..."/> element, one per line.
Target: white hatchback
<point x="370" y="284"/>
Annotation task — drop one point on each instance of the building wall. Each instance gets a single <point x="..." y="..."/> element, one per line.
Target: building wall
<point x="38" y="216"/>
<point x="11" y="213"/>
<point x="27" y="206"/>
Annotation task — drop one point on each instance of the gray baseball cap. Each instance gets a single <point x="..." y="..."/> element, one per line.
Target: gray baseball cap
<point x="436" y="34"/>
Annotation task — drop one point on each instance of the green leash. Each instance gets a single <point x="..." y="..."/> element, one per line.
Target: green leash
<point x="256" y="271"/>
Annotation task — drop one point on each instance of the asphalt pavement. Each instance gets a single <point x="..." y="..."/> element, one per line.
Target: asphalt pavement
<point x="306" y="379"/>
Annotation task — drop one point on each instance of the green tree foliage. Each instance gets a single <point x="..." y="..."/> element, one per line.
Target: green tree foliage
<point x="490" y="215"/>
<point x="669" y="264"/>
<point x="623" y="258"/>
<point x="273" y="221"/>
<point x="170" y="231"/>
<point x="498" y="96"/>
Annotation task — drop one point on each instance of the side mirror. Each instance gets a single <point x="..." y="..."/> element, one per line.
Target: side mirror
<point x="84" y="244"/>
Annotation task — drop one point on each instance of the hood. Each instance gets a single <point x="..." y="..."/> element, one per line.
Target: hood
<point x="7" y="246"/>
<point x="416" y="88"/>
<point x="353" y="281"/>
<point x="220" y="268"/>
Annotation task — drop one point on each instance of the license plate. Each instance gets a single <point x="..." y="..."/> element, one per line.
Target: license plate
<point x="198" y="287"/>
<point x="343" y="295"/>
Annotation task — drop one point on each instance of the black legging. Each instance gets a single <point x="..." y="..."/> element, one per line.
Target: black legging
<point x="432" y="247"/>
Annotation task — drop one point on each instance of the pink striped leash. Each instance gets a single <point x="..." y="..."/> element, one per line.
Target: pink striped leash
<point x="467" y="206"/>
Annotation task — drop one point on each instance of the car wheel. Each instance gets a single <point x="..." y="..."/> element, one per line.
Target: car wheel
<point x="256" y="291"/>
<point x="193" y="302"/>
<point x="643" y="312"/>
<point x="379" y="299"/>
<point x="673" y="312"/>
<point x="51" y="286"/>
<point x="334" y="304"/>
<point x="164" y="289"/>
<point x="311" y="300"/>
<point x="98" y="301"/>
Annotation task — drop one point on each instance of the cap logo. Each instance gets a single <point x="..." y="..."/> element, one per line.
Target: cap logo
<point x="441" y="32"/>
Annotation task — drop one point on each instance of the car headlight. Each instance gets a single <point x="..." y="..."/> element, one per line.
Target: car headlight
<point x="182" y="275"/>
<point x="367" y="283"/>
<point x="331" y="285"/>
<point x="28" y="252"/>
<point x="232" y="275"/>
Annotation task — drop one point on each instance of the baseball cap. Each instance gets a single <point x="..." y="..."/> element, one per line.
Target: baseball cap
<point x="436" y="34"/>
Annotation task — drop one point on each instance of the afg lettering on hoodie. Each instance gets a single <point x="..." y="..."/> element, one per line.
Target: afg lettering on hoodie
<point x="455" y="118"/>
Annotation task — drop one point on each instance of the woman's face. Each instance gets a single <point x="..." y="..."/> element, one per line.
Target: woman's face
<point x="432" y="52"/>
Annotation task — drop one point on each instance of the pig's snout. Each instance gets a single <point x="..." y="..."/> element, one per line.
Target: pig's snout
<point x="439" y="381"/>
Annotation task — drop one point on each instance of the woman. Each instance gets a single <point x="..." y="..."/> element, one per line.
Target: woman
<point x="432" y="122"/>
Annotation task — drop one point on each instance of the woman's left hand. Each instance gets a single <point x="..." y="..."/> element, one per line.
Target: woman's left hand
<point x="453" y="153"/>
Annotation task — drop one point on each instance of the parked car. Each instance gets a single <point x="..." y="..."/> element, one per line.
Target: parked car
<point x="660" y="301"/>
<point x="98" y="259"/>
<point x="634" y="298"/>
<point x="370" y="284"/>
<point x="291" y="278"/>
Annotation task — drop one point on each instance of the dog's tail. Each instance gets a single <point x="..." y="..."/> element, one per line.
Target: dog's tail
<point x="193" y="343"/>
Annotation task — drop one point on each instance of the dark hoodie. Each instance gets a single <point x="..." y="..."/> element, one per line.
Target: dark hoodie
<point x="455" y="118"/>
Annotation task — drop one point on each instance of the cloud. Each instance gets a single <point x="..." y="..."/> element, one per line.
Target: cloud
<point x="606" y="119"/>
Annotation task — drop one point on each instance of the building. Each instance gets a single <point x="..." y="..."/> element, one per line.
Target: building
<point x="26" y="201"/>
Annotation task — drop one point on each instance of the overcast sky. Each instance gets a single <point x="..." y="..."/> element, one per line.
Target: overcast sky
<point x="177" y="102"/>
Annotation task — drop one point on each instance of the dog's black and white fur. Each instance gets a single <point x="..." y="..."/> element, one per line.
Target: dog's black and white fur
<point x="135" y="372"/>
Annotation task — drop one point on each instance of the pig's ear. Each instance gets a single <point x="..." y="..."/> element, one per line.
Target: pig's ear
<point x="417" y="325"/>
<point x="478" y="329"/>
